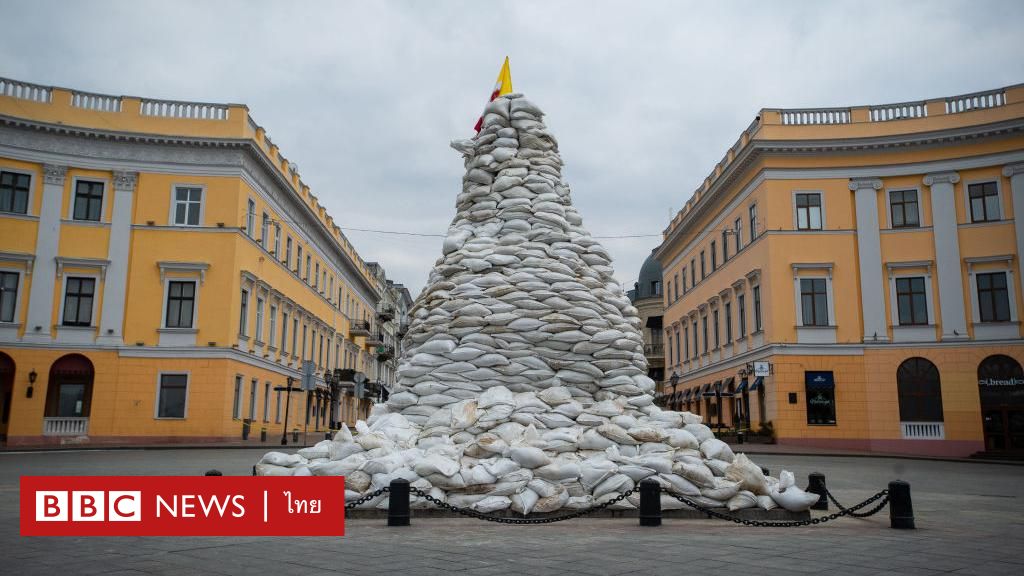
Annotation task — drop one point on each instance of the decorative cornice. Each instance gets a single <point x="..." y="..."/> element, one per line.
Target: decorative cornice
<point x="191" y="267"/>
<point x="98" y="263"/>
<point x="949" y="177"/>
<point x="125" y="181"/>
<point x="860" y="183"/>
<point x="54" y="174"/>
<point x="1013" y="169"/>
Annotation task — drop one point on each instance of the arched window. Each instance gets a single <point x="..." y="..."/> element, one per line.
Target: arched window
<point x="920" y="393"/>
<point x="999" y="370"/>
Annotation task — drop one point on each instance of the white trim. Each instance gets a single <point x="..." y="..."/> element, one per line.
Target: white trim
<point x="964" y="188"/>
<point x="97" y="263"/>
<point x="888" y="208"/>
<point x="1011" y="292"/>
<point x="197" y="268"/>
<point x="174" y="203"/>
<point x="171" y="331"/>
<point x="188" y="388"/>
<point x="16" y="321"/>
<point x="911" y="332"/>
<point x="33" y="176"/>
<point x="821" y="209"/>
<point x="64" y="297"/>
<point x="107" y="189"/>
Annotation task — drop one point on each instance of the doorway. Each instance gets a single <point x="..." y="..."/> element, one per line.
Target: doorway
<point x="68" y="396"/>
<point x="1001" y="388"/>
<point x="6" y="393"/>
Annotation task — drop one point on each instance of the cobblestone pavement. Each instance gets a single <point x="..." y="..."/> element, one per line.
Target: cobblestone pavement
<point x="969" y="517"/>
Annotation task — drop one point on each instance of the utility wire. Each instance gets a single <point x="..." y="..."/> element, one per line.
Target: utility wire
<point x="395" y="232"/>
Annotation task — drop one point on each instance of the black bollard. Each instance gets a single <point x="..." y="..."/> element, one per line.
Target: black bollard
<point x="816" y="485"/>
<point x="398" y="503"/>
<point x="650" y="503"/>
<point x="901" y="509"/>
<point x="254" y="470"/>
<point x="765" y="471"/>
<point x="218" y="472"/>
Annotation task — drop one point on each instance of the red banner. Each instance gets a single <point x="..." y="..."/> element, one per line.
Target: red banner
<point x="182" y="506"/>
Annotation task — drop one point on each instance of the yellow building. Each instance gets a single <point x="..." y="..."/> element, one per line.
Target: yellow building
<point x="850" y="278"/>
<point x="164" y="272"/>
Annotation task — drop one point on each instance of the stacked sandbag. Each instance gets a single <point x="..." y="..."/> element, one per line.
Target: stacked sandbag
<point x="523" y="383"/>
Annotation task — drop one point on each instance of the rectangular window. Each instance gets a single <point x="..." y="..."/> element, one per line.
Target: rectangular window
<point x="295" y="335"/>
<point x="704" y="332"/>
<point x="813" y="302"/>
<point x="737" y="230"/>
<point x="903" y="209"/>
<point x="88" y="201"/>
<point x="236" y="407"/>
<point x="78" y="298"/>
<point x="252" y="399"/>
<point x="277" y="407"/>
<point x="298" y="258"/>
<point x="912" y="302"/>
<point x="277" y="240"/>
<point x="243" y="317"/>
<point x="675" y="293"/>
<point x="703" y="267"/>
<point x="753" y="221"/>
<point x="14" y="190"/>
<point x="171" y="396"/>
<point x="684" y="280"/>
<point x="181" y="302"/>
<point x="305" y="331"/>
<point x="316" y="276"/>
<point x="678" y="357"/>
<point x="694" y="338"/>
<point x="693" y="272"/>
<point x="757" y="308"/>
<point x="714" y="256"/>
<point x="266" y="401"/>
<point x="330" y="287"/>
<point x="250" y="218"/>
<point x="259" y="319"/>
<point x="323" y="282"/>
<point x="265" y="231"/>
<point x="686" y="342"/>
<point x="670" y="362"/>
<point x="821" y="398"/>
<point x="984" y="198"/>
<point x="741" y="309"/>
<point x="728" y="322"/>
<point x="308" y="261"/>
<point x="993" y="297"/>
<point x="284" y="333"/>
<point x="808" y="211"/>
<point x="8" y="295"/>
<point x="288" y="253"/>
<point x="668" y="293"/>
<point x="187" y="203"/>
<point x="725" y="246"/>
<point x="715" y="319"/>
<point x="273" y="325"/>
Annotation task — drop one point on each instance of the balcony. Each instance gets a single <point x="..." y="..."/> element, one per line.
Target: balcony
<point x="923" y="430"/>
<point x="386" y="314"/>
<point x="374" y="340"/>
<point x="65" y="426"/>
<point x="359" y="328"/>
<point x="655" y="349"/>
<point x="385" y="352"/>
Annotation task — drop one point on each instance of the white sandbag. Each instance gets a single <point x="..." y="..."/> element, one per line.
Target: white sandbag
<point x="698" y="474"/>
<point x="717" y="467"/>
<point x="558" y="471"/>
<point x="343" y="435"/>
<point x="281" y="459"/>
<point x="592" y="440"/>
<point x="794" y="499"/>
<point x="523" y="502"/>
<point x="680" y="438"/>
<point x="741" y="501"/>
<point x="498" y="395"/>
<point x="320" y="450"/>
<point x="616" y="483"/>
<point x="357" y="480"/>
<point x="646" y="434"/>
<point x="701" y="432"/>
<point x="721" y="489"/>
<point x="273" y="470"/>
<point x="766" y="502"/>
<point x="528" y="456"/>
<point x="748" y="474"/>
<point x="680" y="485"/>
<point x="491" y="504"/>
<point x="436" y="464"/>
<point x="715" y="448"/>
<point x="555" y="395"/>
<point x="551" y="503"/>
<point x="616" y="434"/>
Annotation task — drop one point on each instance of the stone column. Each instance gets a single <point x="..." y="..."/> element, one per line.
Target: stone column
<point x="1015" y="172"/>
<point x="869" y="249"/>
<point x="115" y="287"/>
<point x="40" y="305"/>
<point x="947" y="254"/>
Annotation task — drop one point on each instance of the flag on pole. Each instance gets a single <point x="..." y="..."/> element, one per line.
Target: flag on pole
<point x="502" y="86"/>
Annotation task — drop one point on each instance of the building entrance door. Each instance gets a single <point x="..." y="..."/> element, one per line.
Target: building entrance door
<point x="1001" y="388"/>
<point x="6" y="393"/>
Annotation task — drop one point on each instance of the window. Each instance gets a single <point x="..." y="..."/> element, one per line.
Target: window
<point x="694" y="338"/>
<point x="323" y="282"/>
<point x="277" y="407"/>
<point x="920" y="393"/>
<point x="714" y="256"/>
<point x="265" y="231"/>
<point x="737" y="235"/>
<point x="316" y="275"/>
<point x="181" y="303"/>
<point x="173" y="391"/>
<point x="266" y="401"/>
<point x="277" y="240"/>
<point x="88" y="201"/>
<point x="753" y="221"/>
<point x="78" y="298"/>
<point x="330" y="287"/>
<point x="675" y="294"/>
<point x="14" y="189"/>
<point x="686" y="342"/>
<point x="808" y="211"/>
<point x="259" y="319"/>
<point x="684" y="280"/>
<point x="308" y="261"/>
<point x="704" y="332"/>
<point x="670" y="362"/>
<point x="728" y="322"/>
<point x="252" y="399"/>
<point x="813" y="302"/>
<point x="757" y="308"/>
<point x="243" y="318"/>
<point x="288" y="253"/>
<point x="993" y="297"/>
<point x="715" y="319"/>
<point x="725" y="246"/>
<point x="236" y="407"/>
<point x="741" y="309"/>
<point x="678" y="357"/>
<point x="295" y="335"/>
<point x="305" y="330"/>
<point x="821" y="398"/>
<point x="668" y="293"/>
<point x="703" y="267"/>
<point x="188" y="201"/>
<point x="250" y="218"/>
<point x="912" y="302"/>
<point x="8" y="295"/>
<point x="693" y="272"/>
<point x="273" y="325"/>
<point x="984" y="198"/>
<point x="903" y="209"/>
<point x="284" y="333"/>
<point x="298" y="258"/>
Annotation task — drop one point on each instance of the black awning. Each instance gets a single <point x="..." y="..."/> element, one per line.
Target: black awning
<point x="654" y="322"/>
<point x="758" y="383"/>
<point x="728" y="382"/>
<point x="743" y="386"/>
<point x="705" y="389"/>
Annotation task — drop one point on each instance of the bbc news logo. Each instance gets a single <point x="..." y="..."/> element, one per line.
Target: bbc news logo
<point x="88" y="506"/>
<point x="182" y="506"/>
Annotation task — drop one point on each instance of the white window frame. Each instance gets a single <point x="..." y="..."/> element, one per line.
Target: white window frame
<point x="993" y="330"/>
<point x="250" y="217"/>
<point x="260" y="304"/>
<point x="796" y="219"/>
<point x="814" y="334"/>
<point x="167" y="294"/>
<point x="174" y="204"/>
<point x="103" y="204"/>
<point x="911" y="332"/>
<point x="277" y="407"/>
<point x="277" y="239"/>
<point x="253" y="398"/>
<point x="243" y="322"/>
<point x="295" y="334"/>
<point x="738" y="233"/>
<point x="64" y="296"/>
<point x="17" y="297"/>
<point x="236" y="406"/>
<point x="1000" y="200"/>
<point x="288" y="253"/>
<point x="32" y="180"/>
<point x="266" y="401"/>
<point x="265" y="230"/>
<point x="156" y="398"/>
<point x="272" y="334"/>
<point x="920" y="208"/>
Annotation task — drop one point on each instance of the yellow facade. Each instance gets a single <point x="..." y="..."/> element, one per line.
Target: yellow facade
<point x="131" y="230"/>
<point x="831" y="217"/>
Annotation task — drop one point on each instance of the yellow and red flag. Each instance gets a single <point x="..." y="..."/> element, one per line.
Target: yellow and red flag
<point x="501" y="87"/>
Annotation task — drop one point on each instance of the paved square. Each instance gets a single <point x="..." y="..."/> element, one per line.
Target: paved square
<point x="969" y="517"/>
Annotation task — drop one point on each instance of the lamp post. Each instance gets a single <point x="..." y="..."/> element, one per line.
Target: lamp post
<point x="673" y="380"/>
<point x="287" y="408"/>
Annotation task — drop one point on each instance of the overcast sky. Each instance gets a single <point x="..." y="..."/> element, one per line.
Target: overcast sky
<point x="644" y="97"/>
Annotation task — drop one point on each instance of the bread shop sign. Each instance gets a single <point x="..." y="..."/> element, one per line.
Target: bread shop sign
<point x="1001" y="382"/>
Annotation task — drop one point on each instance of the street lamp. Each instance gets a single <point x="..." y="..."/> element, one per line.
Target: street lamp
<point x="674" y="380"/>
<point x="287" y="408"/>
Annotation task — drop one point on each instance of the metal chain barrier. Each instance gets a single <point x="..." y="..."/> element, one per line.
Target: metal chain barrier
<point x="850" y="512"/>
<point x="502" y="520"/>
<point x="883" y="495"/>
<point x="367" y="498"/>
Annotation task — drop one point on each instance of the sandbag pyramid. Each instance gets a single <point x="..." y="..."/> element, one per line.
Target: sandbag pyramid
<point x="523" y="385"/>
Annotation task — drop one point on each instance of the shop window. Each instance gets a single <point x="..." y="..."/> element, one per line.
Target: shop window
<point x="821" y="398"/>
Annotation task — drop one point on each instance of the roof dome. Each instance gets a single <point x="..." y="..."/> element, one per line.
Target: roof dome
<point x="649" y="282"/>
